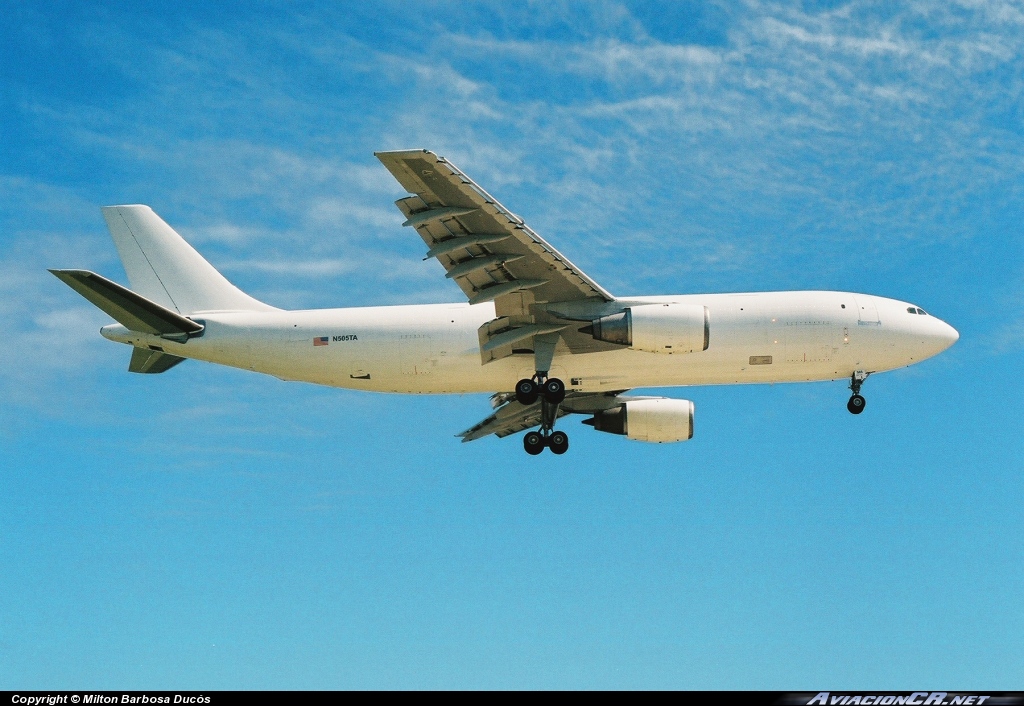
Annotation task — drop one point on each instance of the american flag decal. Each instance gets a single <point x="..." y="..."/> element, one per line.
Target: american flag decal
<point x="321" y="341"/>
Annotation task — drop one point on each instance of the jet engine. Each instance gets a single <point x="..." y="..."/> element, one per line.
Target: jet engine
<point x="659" y="420"/>
<point x="658" y="328"/>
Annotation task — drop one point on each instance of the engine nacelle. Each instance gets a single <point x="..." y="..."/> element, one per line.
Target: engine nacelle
<point x="659" y="420"/>
<point x="658" y="328"/>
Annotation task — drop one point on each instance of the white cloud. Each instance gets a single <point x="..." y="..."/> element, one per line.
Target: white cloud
<point x="804" y="138"/>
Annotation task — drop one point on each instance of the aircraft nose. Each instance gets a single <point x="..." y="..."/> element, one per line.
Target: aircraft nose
<point x="952" y="334"/>
<point x="939" y="336"/>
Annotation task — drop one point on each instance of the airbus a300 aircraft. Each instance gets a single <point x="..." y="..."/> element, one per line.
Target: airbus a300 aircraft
<point x="537" y="332"/>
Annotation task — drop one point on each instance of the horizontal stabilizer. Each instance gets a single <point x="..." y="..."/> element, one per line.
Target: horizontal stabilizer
<point x="128" y="308"/>
<point x="152" y="362"/>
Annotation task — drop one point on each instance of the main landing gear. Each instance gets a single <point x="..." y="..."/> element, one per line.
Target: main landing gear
<point x="550" y="392"/>
<point x="535" y="441"/>
<point x="856" y="403"/>
<point x="527" y="391"/>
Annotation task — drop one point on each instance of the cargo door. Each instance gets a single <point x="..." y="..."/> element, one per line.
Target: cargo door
<point x="418" y="353"/>
<point x="809" y="341"/>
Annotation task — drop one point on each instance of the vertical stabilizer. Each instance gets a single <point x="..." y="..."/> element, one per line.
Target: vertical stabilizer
<point x="165" y="269"/>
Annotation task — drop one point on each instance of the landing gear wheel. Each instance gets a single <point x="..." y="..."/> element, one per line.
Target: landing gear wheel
<point x="527" y="392"/>
<point x="856" y="404"/>
<point x="533" y="442"/>
<point x="558" y="442"/>
<point x="554" y="390"/>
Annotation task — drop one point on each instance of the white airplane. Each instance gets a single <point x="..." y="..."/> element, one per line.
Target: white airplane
<point x="537" y="332"/>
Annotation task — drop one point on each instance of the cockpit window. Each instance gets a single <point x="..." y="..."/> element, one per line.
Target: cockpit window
<point x="922" y="312"/>
<point x="911" y="310"/>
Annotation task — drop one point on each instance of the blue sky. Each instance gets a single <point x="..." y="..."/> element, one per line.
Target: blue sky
<point x="209" y="528"/>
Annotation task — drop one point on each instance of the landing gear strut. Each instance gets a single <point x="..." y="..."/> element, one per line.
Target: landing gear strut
<point x="856" y="403"/>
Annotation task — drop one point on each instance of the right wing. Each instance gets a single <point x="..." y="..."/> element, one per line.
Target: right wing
<point x="507" y="419"/>
<point x="511" y="416"/>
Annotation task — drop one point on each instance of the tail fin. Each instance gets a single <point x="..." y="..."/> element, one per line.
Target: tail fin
<point x="165" y="269"/>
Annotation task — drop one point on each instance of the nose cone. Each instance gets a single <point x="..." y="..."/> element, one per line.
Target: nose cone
<point x="938" y="336"/>
<point x="952" y="335"/>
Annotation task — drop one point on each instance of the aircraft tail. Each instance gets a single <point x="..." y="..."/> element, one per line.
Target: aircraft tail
<point x="165" y="269"/>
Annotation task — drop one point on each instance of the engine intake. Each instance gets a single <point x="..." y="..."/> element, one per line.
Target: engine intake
<point x="659" y="420"/>
<point x="657" y="328"/>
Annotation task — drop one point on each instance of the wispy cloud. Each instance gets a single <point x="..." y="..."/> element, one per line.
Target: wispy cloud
<point x="799" y="147"/>
<point x="295" y="268"/>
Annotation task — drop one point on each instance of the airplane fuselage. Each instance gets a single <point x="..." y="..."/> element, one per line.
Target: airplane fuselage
<point x="434" y="348"/>
<point x="535" y="329"/>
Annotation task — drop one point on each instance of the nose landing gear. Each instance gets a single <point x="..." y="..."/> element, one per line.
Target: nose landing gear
<point x="857" y="403"/>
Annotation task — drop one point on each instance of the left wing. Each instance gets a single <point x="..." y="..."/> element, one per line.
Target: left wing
<point x="488" y="250"/>
<point x="493" y="256"/>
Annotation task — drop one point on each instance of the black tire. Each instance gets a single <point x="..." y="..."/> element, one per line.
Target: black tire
<point x="558" y="442"/>
<point x="856" y="404"/>
<point x="527" y="392"/>
<point x="554" y="390"/>
<point x="533" y="442"/>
